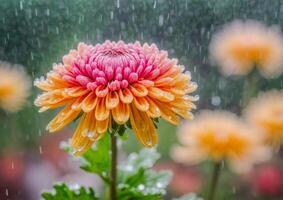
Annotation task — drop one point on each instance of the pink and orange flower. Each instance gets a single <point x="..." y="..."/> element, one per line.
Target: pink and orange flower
<point x="116" y="82"/>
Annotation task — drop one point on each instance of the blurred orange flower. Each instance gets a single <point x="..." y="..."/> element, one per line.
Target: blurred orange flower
<point x="266" y="113"/>
<point x="14" y="87"/>
<point x="116" y="81"/>
<point x="240" y="46"/>
<point x="220" y="136"/>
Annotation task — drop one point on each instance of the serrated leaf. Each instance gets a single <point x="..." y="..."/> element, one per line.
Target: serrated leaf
<point x="138" y="181"/>
<point x="97" y="159"/>
<point x="146" y="158"/>
<point x="190" y="196"/>
<point x="63" y="192"/>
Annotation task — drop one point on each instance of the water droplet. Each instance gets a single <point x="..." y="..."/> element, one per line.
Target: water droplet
<point x="159" y="185"/>
<point x="215" y="100"/>
<point x="141" y="187"/>
<point x="161" y="20"/>
<point x="90" y="134"/>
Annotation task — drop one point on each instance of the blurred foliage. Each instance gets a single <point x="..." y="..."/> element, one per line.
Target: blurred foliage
<point x="188" y="197"/>
<point x="37" y="33"/>
<point x="63" y="192"/>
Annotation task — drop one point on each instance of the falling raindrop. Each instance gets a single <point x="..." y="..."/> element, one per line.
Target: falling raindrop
<point x="118" y="4"/>
<point x="21" y="5"/>
<point x="40" y="149"/>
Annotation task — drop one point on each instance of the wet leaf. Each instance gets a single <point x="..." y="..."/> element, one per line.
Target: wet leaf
<point x="138" y="181"/>
<point x="63" y="192"/>
<point x="97" y="159"/>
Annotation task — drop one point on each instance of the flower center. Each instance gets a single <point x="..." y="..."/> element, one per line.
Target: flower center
<point x="114" y="66"/>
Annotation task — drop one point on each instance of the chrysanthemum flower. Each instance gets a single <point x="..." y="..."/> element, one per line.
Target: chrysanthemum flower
<point x="116" y="81"/>
<point x="14" y="87"/>
<point x="240" y="46"/>
<point x="220" y="136"/>
<point x="266" y="113"/>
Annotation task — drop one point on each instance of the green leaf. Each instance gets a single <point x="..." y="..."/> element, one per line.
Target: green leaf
<point x="97" y="159"/>
<point x="190" y="196"/>
<point x="136" y="179"/>
<point x="63" y="192"/>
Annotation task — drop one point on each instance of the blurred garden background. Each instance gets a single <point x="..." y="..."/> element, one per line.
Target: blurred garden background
<point x="37" y="33"/>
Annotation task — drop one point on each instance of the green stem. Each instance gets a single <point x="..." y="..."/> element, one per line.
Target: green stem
<point x="113" y="183"/>
<point x="250" y="89"/>
<point x="214" y="180"/>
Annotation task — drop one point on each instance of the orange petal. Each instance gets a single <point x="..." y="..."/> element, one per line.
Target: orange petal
<point x="163" y="82"/>
<point x="89" y="102"/>
<point x="141" y="103"/>
<point x="101" y="91"/>
<point x="159" y="94"/>
<point x="101" y="112"/>
<point x="182" y="104"/>
<point x="153" y="111"/>
<point x="80" y="141"/>
<point x="146" y="83"/>
<point x="138" y="90"/>
<point x="177" y="91"/>
<point x="167" y="113"/>
<point x="121" y="113"/>
<point x="143" y="127"/>
<point x="102" y="126"/>
<point x="112" y="100"/>
<point x="126" y="96"/>
<point x="183" y="113"/>
<point x="75" y="91"/>
<point x="43" y="85"/>
<point x="64" y="117"/>
<point x="57" y="81"/>
<point x="76" y="105"/>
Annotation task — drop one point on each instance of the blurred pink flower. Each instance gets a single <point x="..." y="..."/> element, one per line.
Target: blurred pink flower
<point x="268" y="180"/>
<point x="185" y="179"/>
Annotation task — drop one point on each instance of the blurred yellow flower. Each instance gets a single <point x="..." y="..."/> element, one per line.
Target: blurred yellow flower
<point x="266" y="113"/>
<point x="116" y="82"/>
<point x="240" y="46"/>
<point x="14" y="87"/>
<point x="219" y="135"/>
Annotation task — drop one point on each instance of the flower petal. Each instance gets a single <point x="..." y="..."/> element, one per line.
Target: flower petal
<point x="75" y="91"/>
<point x="101" y="112"/>
<point x="89" y="103"/>
<point x="143" y="127"/>
<point x="161" y="95"/>
<point x="126" y="96"/>
<point x="112" y="100"/>
<point x="141" y="103"/>
<point x="153" y="111"/>
<point x="101" y="126"/>
<point x="167" y="113"/>
<point x="121" y="113"/>
<point x="139" y="90"/>
<point x="64" y="117"/>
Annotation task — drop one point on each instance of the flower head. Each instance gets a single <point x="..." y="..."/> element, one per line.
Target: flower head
<point x="116" y="82"/>
<point x="220" y="136"/>
<point x="268" y="180"/>
<point x="240" y="46"/>
<point x="14" y="87"/>
<point x="266" y="113"/>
